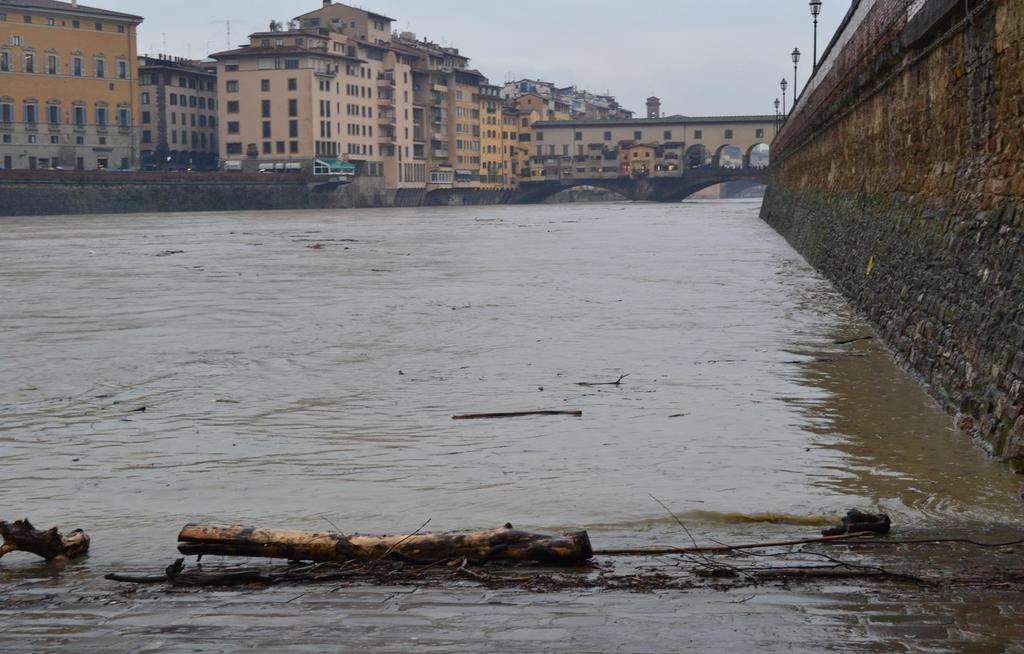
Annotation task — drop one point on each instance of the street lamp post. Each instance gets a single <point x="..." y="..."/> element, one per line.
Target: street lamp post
<point x="815" y="11"/>
<point x="776" y="115"/>
<point x="796" y="61"/>
<point x="784" y="85"/>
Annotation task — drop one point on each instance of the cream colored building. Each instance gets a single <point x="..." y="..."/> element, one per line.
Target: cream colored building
<point x="671" y="145"/>
<point x="68" y="86"/>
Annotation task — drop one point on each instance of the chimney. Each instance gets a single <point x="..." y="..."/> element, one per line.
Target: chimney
<point x="653" y="107"/>
<point x="327" y="3"/>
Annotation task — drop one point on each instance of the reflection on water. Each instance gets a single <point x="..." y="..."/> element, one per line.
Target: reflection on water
<point x="300" y="367"/>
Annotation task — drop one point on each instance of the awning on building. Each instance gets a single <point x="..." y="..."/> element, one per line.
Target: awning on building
<point x="334" y="167"/>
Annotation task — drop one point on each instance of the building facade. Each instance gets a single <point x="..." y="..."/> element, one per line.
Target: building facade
<point x="68" y="86"/>
<point x="178" y="114"/>
<point x="655" y="147"/>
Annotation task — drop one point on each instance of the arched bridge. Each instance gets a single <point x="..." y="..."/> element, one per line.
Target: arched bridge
<point x="643" y="189"/>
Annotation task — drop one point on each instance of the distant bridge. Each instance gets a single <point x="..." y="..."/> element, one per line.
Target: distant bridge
<point x="643" y="189"/>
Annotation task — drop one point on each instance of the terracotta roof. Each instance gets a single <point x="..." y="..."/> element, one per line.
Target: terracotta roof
<point x="65" y="7"/>
<point x="249" y="51"/>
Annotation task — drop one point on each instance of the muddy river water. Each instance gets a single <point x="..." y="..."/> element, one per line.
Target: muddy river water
<point x="301" y="369"/>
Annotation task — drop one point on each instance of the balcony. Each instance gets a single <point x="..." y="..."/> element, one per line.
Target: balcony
<point x="440" y="154"/>
<point x="418" y="136"/>
<point x="385" y="101"/>
<point x="386" y="119"/>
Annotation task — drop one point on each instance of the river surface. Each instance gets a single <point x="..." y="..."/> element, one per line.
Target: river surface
<point x="301" y="369"/>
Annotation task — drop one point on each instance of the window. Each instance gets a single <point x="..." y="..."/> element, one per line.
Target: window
<point x="5" y="62"/>
<point x="234" y="127"/>
<point x="6" y="112"/>
<point x="578" y="136"/>
<point x="234" y="148"/>
<point x="31" y="113"/>
<point x="293" y="129"/>
<point x="638" y="135"/>
<point x="50" y="22"/>
<point x="28" y="20"/>
<point x="145" y="98"/>
<point x="293" y="108"/>
<point x="668" y="135"/>
<point x="265" y="85"/>
<point x="53" y="114"/>
<point x="30" y="63"/>
<point x="124" y="116"/>
<point x="291" y="64"/>
<point x="232" y="86"/>
<point x="698" y="134"/>
<point x="279" y="146"/>
<point x="147" y="136"/>
<point x="3" y="17"/>
<point x="293" y="147"/>
<point x="79" y="114"/>
<point x="172" y="98"/>
<point x="101" y="67"/>
<point x="540" y="136"/>
<point x="99" y="27"/>
<point x="232" y="106"/>
<point x="76" y="24"/>
<point x="102" y="116"/>
<point x="759" y="134"/>
<point x="52" y="66"/>
<point x="728" y="133"/>
<point x="265" y="108"/>
<point x="293" y="84"/>
<point x="122" y="69"/>
<point x="120" y="29"/>
<point x="266" y="131"/>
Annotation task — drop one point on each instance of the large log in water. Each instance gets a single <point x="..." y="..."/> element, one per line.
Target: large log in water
<point x="505" y="544"/>
<point x="21" y="536"/>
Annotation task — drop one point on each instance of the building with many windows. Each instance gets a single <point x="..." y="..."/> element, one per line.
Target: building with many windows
<point x="178" y="114"/>
<point x="68" y="86"/>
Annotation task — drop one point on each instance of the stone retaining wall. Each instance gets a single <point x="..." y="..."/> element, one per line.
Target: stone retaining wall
<point x="901" y="178"/>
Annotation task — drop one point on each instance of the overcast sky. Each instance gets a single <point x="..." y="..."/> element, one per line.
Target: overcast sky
<point x="702" y="57"/>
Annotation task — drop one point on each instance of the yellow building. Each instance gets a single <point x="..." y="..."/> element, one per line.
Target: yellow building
<point x="68" y="86"/>
<point x="495" y="169"/>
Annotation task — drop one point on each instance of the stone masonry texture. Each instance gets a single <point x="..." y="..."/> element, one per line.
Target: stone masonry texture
<point x="901" y="178"/>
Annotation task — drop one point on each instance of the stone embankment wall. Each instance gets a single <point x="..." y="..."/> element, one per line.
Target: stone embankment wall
<point x="40" y="193"/>
<point x="900" y="176"/>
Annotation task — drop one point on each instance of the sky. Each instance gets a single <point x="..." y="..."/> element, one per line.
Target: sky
<point x="701" y="57"/>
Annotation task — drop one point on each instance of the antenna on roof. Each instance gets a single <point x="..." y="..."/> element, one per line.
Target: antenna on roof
<point x="227" y="24"/>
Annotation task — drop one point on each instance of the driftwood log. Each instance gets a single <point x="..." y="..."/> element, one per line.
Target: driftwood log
<point x="21" y="536"/>
<point x="505" y="544"/>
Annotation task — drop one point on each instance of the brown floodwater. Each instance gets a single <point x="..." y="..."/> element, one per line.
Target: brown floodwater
<point x="301" y="369"/>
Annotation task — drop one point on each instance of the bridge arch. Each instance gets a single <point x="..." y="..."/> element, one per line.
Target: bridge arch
<point x="650" y="189"/>
<point x="758" y="155"/>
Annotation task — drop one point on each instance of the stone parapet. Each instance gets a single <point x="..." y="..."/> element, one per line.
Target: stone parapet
<point x="901" y="178"/>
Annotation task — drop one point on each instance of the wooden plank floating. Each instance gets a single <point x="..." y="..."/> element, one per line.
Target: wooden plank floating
<point x="504" y="544"/>
<point x="21" y="536"/>
<point x="516" y="414"/>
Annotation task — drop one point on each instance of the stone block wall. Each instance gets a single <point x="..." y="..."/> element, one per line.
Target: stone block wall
<point x="901" y="178"/>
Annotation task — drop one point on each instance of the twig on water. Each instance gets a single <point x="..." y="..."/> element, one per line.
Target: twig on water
<point x="396" y="545"/>
<point x="516" y="414"/>
<point x="617" y="382"/>
<point x="855" y="340"/>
